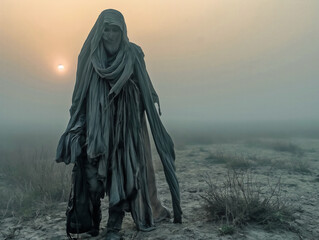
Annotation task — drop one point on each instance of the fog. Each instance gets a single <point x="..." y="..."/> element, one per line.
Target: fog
<point x="248" y="68"/>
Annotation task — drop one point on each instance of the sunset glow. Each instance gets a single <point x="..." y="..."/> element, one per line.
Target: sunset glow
<point x="60" y="67"/>
<point x="210" y="59"/>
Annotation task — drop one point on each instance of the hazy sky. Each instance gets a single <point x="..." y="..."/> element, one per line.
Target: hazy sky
<point x="209" y="60"/>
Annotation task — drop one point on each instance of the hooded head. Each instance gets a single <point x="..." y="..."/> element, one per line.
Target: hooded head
<point x="109" y="31"/>
<point x="98" y="52"/>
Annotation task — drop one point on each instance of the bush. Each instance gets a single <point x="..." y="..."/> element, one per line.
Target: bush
<point x="241" y="200"/>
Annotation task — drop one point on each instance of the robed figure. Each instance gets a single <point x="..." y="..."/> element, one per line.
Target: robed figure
<point x="107" y="136"/>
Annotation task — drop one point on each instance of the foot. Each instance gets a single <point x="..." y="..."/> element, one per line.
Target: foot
<point x="113" y="236"/>
<point x="94" y="232"/>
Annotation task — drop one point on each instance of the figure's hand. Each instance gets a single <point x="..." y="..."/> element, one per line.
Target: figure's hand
<point x="159" y="109"/>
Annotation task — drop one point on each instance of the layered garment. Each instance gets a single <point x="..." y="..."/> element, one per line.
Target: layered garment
<point x="107" y="115"/>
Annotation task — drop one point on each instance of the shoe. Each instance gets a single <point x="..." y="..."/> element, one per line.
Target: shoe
<point x="93" y="232"/>
<point x="113" y="235"/>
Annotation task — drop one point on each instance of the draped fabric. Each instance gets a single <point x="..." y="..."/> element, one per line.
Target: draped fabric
<point x="107" y="115"/>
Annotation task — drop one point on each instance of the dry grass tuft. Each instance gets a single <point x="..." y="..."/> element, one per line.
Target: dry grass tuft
<point x="244" y="162"/>
<point x="231" y="162"/>
<point x="297" y="165"/>
<point x="241" y="200"/>
<point x="279" y="146"/>
<point x="31" y="182"/>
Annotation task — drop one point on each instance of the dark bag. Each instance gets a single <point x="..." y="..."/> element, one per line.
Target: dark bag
<point x="79" y="216"/>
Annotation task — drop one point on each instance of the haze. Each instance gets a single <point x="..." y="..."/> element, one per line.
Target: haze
<point x="211" y="61"/>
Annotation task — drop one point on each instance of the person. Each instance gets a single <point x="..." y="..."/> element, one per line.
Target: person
<point x="112" y="96"/>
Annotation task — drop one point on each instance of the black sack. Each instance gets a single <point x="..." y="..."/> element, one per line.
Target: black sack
<point x="79" y="215"/>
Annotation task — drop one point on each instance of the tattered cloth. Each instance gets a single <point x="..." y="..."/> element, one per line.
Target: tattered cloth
<point x="108" y="90"/>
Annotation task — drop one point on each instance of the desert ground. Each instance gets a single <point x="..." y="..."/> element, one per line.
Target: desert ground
<point x="293" y="161"/>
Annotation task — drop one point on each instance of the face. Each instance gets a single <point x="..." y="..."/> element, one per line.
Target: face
<point x="112" y="36"/>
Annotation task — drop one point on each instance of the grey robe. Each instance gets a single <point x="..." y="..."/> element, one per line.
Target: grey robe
<point x="92" y="68"/>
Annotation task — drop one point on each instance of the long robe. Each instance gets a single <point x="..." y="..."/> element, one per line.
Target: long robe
<point x="92" y="68"/>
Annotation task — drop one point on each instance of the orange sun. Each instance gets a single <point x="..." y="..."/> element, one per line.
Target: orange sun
<point x="60" y="67"/>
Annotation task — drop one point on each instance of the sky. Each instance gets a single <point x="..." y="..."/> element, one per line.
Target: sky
<point x="209" y="60"/>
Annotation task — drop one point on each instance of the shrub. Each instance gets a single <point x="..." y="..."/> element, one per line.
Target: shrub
<point x="241" y="200"/>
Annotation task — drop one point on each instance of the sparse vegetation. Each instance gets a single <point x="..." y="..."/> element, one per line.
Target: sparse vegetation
<point x="260" y="161"/>
<point x="279" y="145"/>
<point x="232" y="162"/>
<point x="31" y="182"/>
<point x="218" y="157"/>
<point x="301" y="166"/>
<point x="239" y="162"/>
<point x="287" y="147"/>
<point x="295" y="165"/>
<point x="241" y="200"/>
<point x="226" y="229"/>
<point x="242" y="162"/>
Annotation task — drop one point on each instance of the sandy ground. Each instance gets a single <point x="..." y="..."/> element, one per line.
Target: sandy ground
<point x="299" y="173"/>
